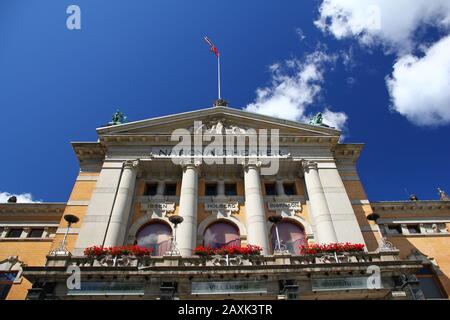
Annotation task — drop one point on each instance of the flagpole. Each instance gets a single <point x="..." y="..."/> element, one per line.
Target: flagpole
<point x="218" y="73"/>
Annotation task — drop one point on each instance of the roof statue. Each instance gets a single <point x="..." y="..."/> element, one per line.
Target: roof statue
<point x="220" y="103"/>
<point x="442" y="195"/>
<point x="118" y="118"/>
<point x="317" y="120"/>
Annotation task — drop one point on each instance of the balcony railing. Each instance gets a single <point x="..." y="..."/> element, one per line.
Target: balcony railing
<point x="284" y="259"/>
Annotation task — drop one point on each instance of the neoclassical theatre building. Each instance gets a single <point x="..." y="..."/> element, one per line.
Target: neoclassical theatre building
<point x="135" y="188"/>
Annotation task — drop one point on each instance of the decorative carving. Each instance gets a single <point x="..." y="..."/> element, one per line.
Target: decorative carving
<point x="226" y="260"/>
<point x="225" y="209"/>
<point x="193" y="164"/>
<point x="317" y="120"/>
<point x="118" y="118"/>
<point x="131" y="164"/>
<point x="442" y="195"/>
<point x="308" y="165"/>
<point x="115" y="261"/>
<point x="218" y="127"/>
<point x="159" y="208"/>
<point x="386" y="245"/>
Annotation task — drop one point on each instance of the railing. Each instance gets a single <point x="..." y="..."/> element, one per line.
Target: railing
<point x="217" y="260"/>
<point x="216" y="245"/>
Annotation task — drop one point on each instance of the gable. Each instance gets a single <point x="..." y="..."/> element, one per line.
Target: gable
<point x="217" y="118"/>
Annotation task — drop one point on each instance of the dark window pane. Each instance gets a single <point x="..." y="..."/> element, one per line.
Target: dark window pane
<point x="36" y="233"/>
<point x="14" y="233"/>
<point x="230" y="189"/>
<point x="211" y="189"/>
<point x="395" y="229"/>
<point x="413" y="228"/>
<point x="270" y="189"/>
<point x="150" y="189"/>
<point x="430" y="288"/>
<point x="289" y="189"/>
<point x="4" y="289"/>
<point x="171" y="189"/>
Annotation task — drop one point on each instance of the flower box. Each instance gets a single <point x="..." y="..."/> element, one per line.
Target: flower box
<point x="248" y="250"/>
<point x="99" y="251"/>
<point x="314" y="249"/>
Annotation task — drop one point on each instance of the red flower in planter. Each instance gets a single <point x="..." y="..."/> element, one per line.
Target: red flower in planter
<point x="117" y="251"/>
<point x="331" y="248"/>
<point x="228" y="250"/>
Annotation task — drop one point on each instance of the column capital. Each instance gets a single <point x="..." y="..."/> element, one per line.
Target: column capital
<point x="193" y="164"/>
<point x="308" y="165"/>
<point x="131" y="164"/>
<point x="251" y="163"/>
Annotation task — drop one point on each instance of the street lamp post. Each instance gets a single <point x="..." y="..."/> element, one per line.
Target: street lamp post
<point x="385" y="245"/>
<point x="62" y="250"/>
<point x="175" y="220"/>
<point x="276" y="219"/>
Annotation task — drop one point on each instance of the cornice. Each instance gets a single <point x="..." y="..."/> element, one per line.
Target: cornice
<point x="45" y="208"/>
<point x="88" y="151"/>
<point x="350" y="151"/>
<point x="421" y="205"/>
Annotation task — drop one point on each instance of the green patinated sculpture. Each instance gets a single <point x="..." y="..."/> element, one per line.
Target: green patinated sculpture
<point x="317" y="120"/>
<point x="118" y="118"/>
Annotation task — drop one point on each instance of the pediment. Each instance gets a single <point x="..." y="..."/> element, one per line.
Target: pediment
<point x="217" y="120"/>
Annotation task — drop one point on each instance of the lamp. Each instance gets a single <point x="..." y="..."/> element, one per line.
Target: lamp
<point x="62" y="250"/>
<point x="175" y="220"/>
<point x="276" y="219"/>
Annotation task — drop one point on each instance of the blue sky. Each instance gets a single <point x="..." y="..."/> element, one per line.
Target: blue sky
<point x="148" y="58"/>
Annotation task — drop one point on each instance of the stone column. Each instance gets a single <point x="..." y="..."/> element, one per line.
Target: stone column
<point x="118" y="223"/>
<point x="280" y="188"/>
<point x="187" y="230"/>
<point x="254" y="208"/>
<point x="220" y="188"/>
<point x="160" y="188"/>
<point x="320" y="212"/>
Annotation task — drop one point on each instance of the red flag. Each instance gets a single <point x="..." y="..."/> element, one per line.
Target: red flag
<point x="212" y="47"/>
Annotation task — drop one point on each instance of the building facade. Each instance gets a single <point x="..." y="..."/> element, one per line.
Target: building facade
<point x="235" y="178"/>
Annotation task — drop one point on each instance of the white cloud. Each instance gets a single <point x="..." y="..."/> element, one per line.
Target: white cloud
<point x="295" y="86"/>
<point x="420" y="87"/>
<point x="391" y="23"/>
<point x="21" y="198"/>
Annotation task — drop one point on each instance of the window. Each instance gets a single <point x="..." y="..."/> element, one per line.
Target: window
<point x="292" y="236"/>
<point x="170" y="189"/>
<point x="35" y="233"/>
<point x="4" y="290"/>
<point x="270" y="189"/>
<point x="156" y="236"/>
<point x="221" y="234"/>
<point x="428" y="283"/>
<point x="14" y="233"/>
<point x="211" y="189"/>
<point x="151" y="189"/>
<point x="413" y="228"/>
<point x="230" y="189"/>
<point x="394" y="229"/>
<point x="289" y="189"/>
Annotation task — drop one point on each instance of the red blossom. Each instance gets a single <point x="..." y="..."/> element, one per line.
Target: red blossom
<point x="230" y="250"/>
<point x="116" y="251"/>
<point x="331" y="248"/>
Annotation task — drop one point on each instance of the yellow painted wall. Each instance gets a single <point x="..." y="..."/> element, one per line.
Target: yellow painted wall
<point x="31" y="253"/>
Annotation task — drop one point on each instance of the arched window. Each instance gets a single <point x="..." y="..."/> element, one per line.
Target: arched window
<point x="156" y="236"/>
<point x="221" y="233"/>
<point x="292" y="236"/>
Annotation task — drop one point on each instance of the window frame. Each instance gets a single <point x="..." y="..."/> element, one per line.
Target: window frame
<point x="7" y="236"/>
<point x="170" y="184"/>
